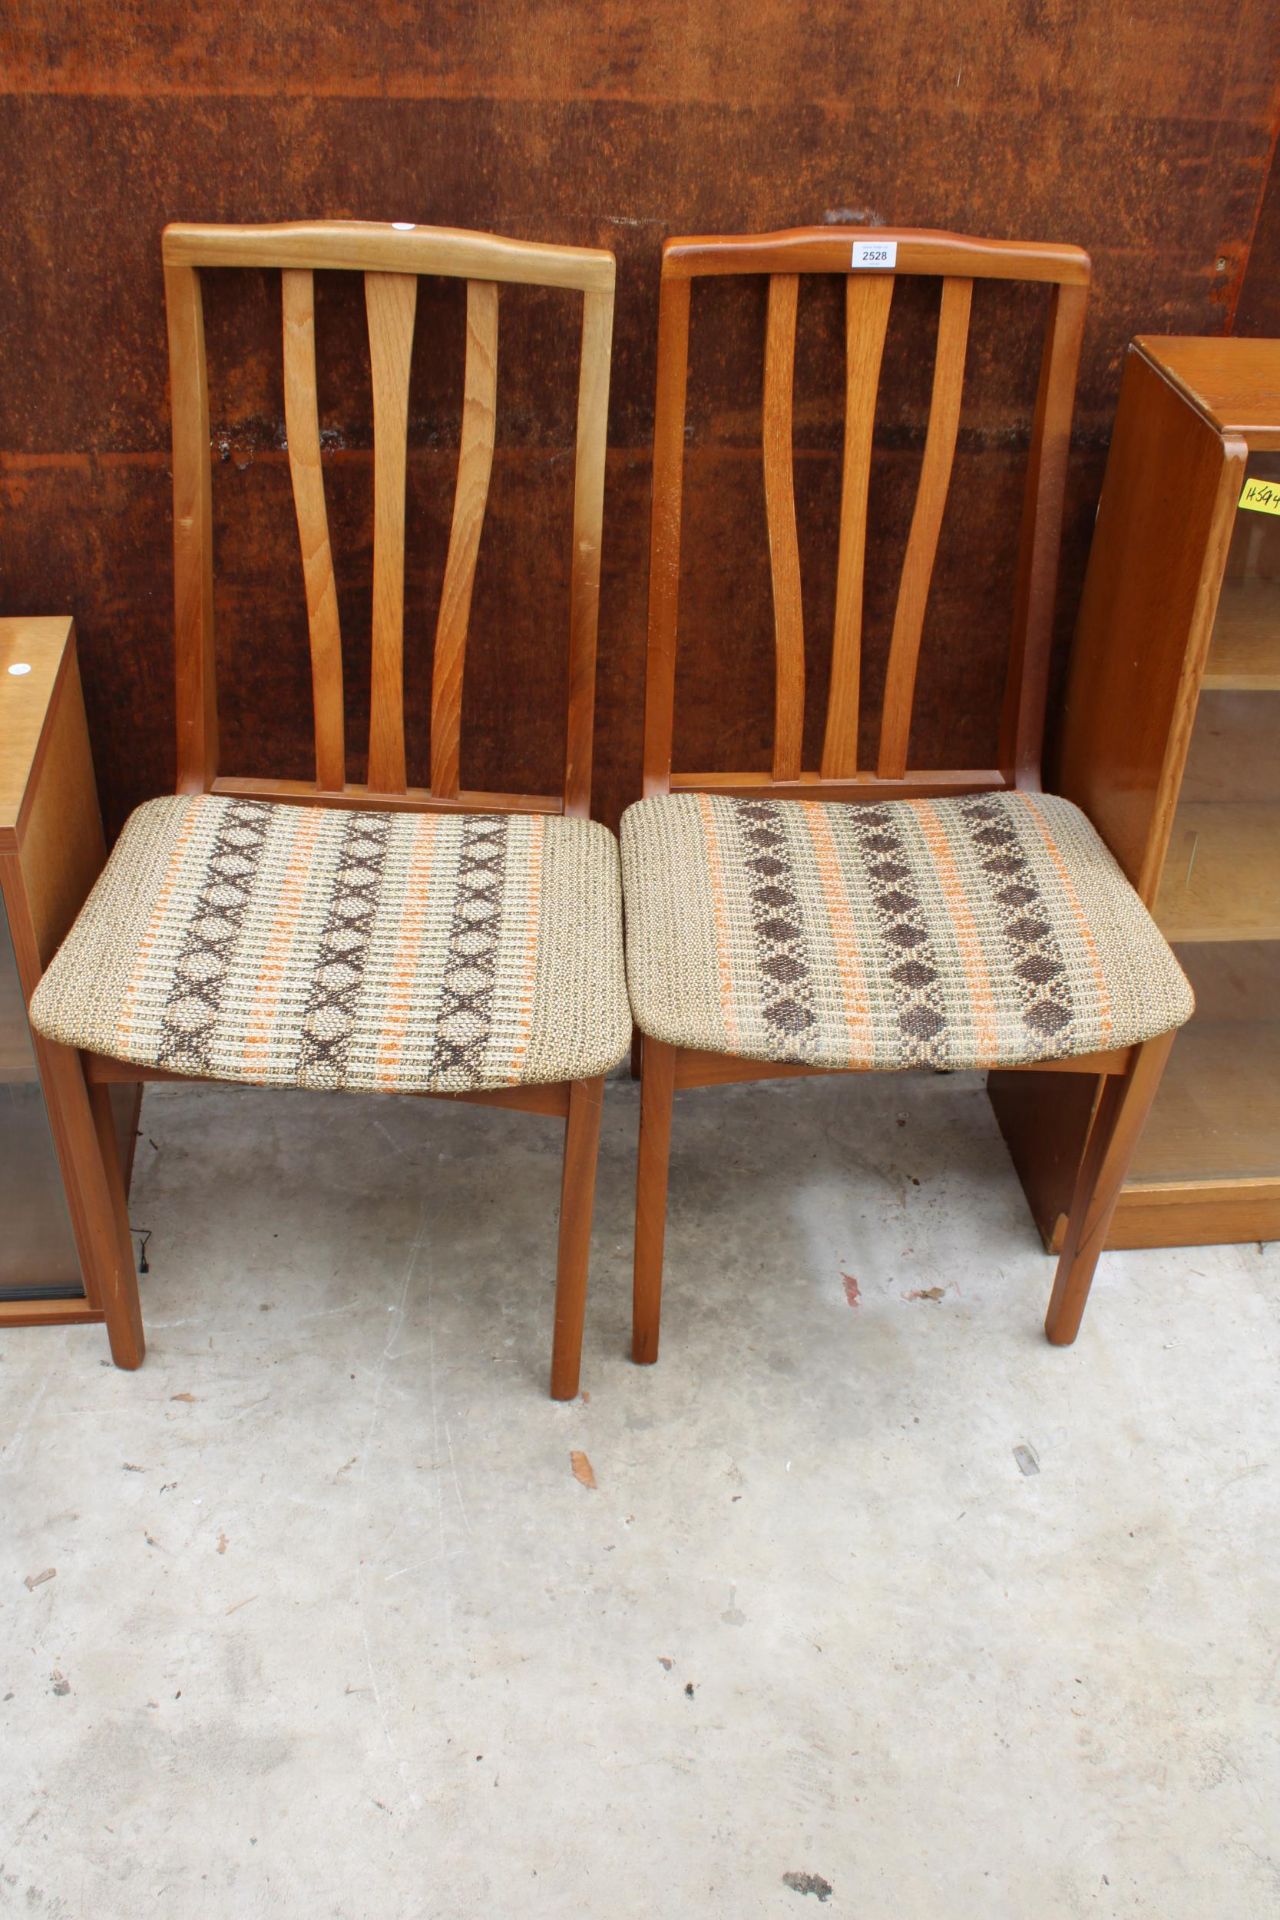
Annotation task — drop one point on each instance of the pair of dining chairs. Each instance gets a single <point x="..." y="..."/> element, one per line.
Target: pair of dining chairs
<point x="381" y="937"/>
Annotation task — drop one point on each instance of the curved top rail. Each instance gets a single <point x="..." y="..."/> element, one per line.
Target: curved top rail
<point x="380" y="246"/>
<point x="918" y="250"/>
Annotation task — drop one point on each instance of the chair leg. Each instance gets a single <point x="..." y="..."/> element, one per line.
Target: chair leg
<point x="1123" y="1108"/>
<point x="657" y="1092"/>
<point x="118" y="1274"/>
<point x="577" y="1198"/>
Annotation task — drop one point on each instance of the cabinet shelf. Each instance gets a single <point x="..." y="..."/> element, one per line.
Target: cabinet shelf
<point x="1221" y="877"/>
<point x="17" y="1061"/>
<point x="17" y="1066"/>
<point x="1244" y="654"/>
<point x="1218" y="1114"/>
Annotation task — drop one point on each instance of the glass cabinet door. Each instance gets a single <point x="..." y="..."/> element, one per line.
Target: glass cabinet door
<point x="38" y="1257"/>
<point x="1217" y="1116"/>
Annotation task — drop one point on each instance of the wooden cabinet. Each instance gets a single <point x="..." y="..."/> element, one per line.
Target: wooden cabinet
<point x="1171" y="742"/>
<point x="51" y="851"/>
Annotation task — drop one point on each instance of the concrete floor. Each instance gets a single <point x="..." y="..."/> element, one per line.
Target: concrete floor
<point x="335" y="1631"/>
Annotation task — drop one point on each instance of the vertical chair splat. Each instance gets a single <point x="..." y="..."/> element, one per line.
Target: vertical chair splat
<point x="588" y="520"/>
<point x="196" y="684"/>
<point x="926" y="522"/>
<point x="780" y="512"/>
<point x="391" y="301"/>
<point x="664" y="533"/>
<point x="867" y="303"/>
<point x="1026" y="689"/>
<point x="475" y="464"/>
<point x="302" y="427"/>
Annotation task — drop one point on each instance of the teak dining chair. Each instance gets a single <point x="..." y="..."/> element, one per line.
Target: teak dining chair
<point x="371" y="937"/>
<point x="857" y="917"/>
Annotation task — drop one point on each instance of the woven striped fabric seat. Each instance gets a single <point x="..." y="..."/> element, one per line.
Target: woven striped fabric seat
<point x="973" y="932"/>
<point x="306" y="946"/>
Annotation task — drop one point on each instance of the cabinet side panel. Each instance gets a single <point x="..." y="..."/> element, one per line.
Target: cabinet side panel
<point x="1044" y="1118"/>
<point x="1145" y="618"/>
<point x="61" y="848"/>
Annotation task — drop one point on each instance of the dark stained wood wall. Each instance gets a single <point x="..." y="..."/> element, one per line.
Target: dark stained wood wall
<point x="1143" y="132"/>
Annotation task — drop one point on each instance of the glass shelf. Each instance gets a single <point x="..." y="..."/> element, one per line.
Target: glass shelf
<point x="1217" y="1116"/>
<point x="1221" y="878"/>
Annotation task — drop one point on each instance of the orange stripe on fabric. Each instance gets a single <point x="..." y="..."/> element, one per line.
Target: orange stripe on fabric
<point x="1078" y="915"/>
<point x="853" y="981"/>
<point x="528" y="972"/>
<point x="719" y="905"/>
<point x="408" y="951"/>
<point x="172" y="872"/>
<point x="965" y="927"/>
<point x="271" y="971"/>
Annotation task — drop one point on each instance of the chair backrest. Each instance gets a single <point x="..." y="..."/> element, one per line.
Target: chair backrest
<point x="870" y="260"/>
<point x="391" y="258"/>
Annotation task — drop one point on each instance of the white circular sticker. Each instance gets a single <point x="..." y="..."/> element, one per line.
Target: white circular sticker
<point x="20" y="666"/>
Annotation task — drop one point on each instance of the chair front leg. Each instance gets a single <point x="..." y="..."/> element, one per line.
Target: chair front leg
<point x="577" y="1199"/>
<point x="1122" y="1110"/>
<point x="657" y="1093"/>
<point x="117" y="1272"/>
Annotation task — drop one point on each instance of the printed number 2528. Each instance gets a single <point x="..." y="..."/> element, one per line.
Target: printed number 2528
<point x="875" y="253"/>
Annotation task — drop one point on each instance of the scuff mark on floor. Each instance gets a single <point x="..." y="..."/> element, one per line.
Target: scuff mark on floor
<point x="808" y="1883"/>
<point x="583" y="1471"/>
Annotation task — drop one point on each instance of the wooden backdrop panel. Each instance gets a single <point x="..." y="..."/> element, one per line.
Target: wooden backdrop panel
<point x="1149" y="143"/>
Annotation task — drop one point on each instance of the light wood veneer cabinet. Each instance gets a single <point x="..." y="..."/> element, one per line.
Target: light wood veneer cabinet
<point x="1171" y="742"/>
<point x="51" y="852"/>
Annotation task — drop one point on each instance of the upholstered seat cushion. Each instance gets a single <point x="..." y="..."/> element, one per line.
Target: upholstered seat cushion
<point x="968" y="932"/>
<point x="316" y="947"/>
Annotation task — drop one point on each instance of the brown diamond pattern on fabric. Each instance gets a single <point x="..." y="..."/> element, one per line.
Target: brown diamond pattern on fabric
<point x="195" y="997"/>
<point x="918" y="1004"/>
<point x="1034" y="951"/>
<point x="466" y="997"/>
<point x="786" y="993"/>
<point x="344" y="943"/>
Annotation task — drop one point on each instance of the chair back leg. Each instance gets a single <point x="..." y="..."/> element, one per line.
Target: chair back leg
<point x="100" y="1178"/>
<point x="1122" y="1110"/>
<point x="657" y="1092"/>
<point x="577" y="1196"/>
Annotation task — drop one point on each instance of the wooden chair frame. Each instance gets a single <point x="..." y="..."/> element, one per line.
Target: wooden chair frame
<point x="1129" y="1076"/>
<point x="391" y="260"/>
